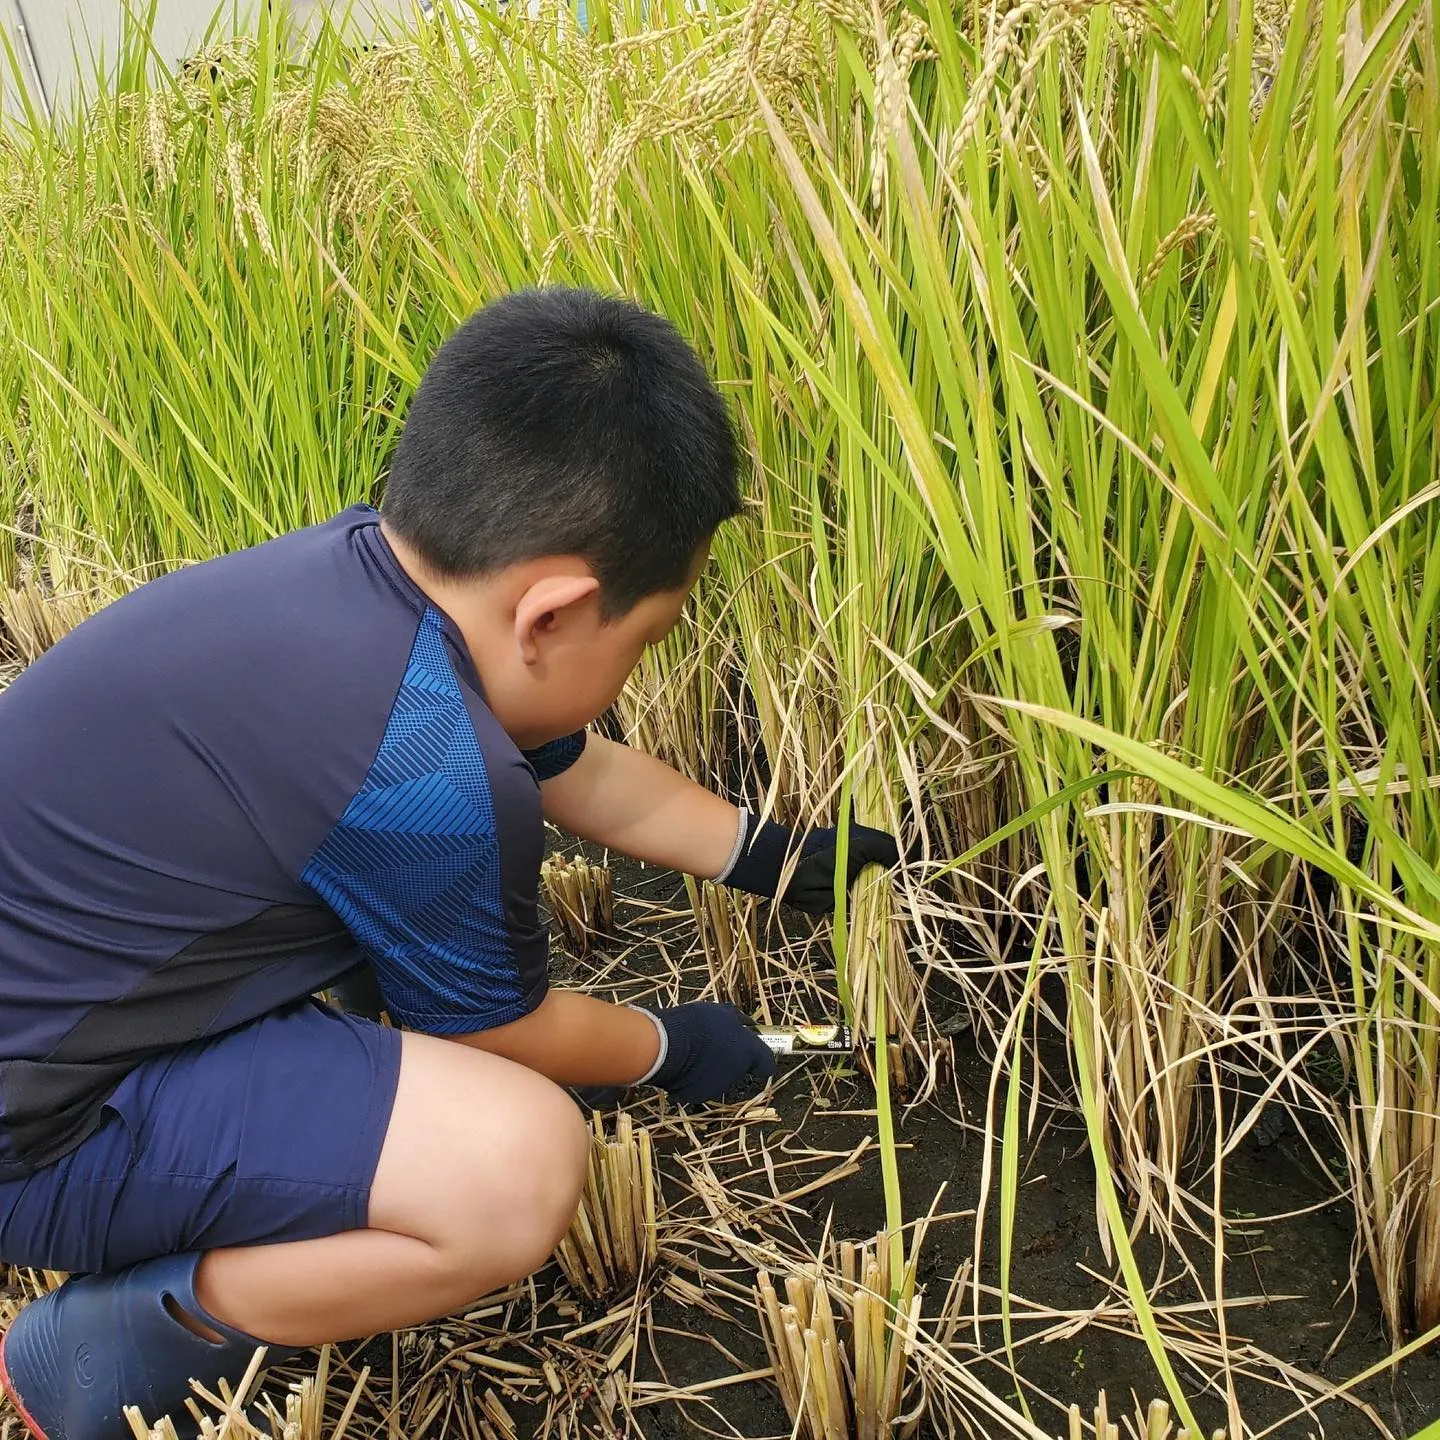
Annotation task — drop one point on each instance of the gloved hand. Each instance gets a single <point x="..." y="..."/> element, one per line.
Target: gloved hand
<point x="710" y="1051"/>
<point x="765" y="848"/>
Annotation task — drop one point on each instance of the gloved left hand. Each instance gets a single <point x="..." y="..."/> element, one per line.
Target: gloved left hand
<point x="765" y="848"/>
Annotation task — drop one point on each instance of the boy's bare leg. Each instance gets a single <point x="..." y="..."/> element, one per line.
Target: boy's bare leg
<point x="478" y="1179"/>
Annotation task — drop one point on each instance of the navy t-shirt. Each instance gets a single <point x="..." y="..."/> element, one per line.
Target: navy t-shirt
<point x="229" y="788"/>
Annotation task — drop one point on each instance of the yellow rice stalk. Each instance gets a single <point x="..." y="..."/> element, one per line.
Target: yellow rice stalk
<point x="303" y="1417"/>
<point x="842" y="1342"/>
<point x="611" y="1243"/>
<point x="875" y="958"/>
<point x="676" y="702"/>
<point x="34" y="1283"/>
<point x="580" y="898"/>
<point x="1154" y="1424"/>
<point x="33" y="619"/>
<point x="728" y="927"/>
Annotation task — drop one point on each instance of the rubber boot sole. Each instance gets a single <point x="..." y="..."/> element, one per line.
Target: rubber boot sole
<point x="15" y="1400"/>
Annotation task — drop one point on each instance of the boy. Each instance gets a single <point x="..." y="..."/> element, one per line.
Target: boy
<point x="230" y="788"/>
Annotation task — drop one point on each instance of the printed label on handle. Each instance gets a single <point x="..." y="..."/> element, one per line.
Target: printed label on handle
<point x="801" y="1040"/>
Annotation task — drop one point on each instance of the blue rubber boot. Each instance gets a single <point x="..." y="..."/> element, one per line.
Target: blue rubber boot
<point x="72" y="1360"/>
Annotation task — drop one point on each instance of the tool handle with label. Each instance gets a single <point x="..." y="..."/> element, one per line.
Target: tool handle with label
<point x="799" y="1041"/>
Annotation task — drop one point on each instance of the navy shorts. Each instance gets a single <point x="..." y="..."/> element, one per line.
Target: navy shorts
<point x="266" y="1133"/>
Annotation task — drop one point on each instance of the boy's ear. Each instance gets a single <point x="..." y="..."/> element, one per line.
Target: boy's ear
<point x="538" y="608"/>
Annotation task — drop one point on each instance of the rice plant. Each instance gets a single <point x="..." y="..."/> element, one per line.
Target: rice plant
<point x="1125" y="552"/>
<point x="612" y="1241"/>
<point x="1084" y="358"/>
<point x="845" y="1381"/>
<point x="727" y="923"/>
<point x="581" y="899"/>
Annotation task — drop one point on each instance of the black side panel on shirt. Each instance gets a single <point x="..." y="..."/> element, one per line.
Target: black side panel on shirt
<point x="52" y="1104"/>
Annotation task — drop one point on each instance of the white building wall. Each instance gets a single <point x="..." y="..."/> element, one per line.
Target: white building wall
<point x="49" y="34"/>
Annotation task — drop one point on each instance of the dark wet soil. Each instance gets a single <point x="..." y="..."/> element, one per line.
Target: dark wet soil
<point x="1287" y="1279"/>
<point x="1294" y="1328"/>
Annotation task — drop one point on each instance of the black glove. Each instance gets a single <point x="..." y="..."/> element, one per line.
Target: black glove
<point x="711" y="1052"/>
<point x="765" y="849"/>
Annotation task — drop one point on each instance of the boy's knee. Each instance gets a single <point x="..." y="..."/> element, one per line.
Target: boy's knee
<point x="484" y="1161"/>
<point x="550" y="1161"/>
<point x="531" y="1178"/>
<point x="560" y="1155"/>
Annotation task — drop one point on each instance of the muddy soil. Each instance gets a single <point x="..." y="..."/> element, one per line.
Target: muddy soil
<point x="1287" y="1279"/>
<point x="667" y="1367"/>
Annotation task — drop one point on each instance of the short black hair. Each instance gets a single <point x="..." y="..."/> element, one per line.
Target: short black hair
<point x="564" y="422"/>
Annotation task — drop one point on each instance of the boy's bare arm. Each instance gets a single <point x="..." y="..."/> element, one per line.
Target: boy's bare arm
<point x="709" y="1051"/>
<point x="574" y="1039"/>
<point x="631" y="802"/>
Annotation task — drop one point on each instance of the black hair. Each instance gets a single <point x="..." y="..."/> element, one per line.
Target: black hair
<point x="564" y="422"/>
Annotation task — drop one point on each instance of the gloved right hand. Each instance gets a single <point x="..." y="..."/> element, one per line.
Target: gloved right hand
<point x="765" y="848"/>
<point x="711" y="1052"/>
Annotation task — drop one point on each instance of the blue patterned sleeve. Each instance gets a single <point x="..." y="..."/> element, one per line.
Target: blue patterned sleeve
<point x="556" y="757"/>
<point x="430" y="864"/>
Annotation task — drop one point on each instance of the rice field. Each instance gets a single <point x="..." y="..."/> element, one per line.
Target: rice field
<point x="1085" y="361"/>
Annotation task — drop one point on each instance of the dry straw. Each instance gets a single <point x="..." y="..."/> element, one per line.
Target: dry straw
<point x="20" y="1284"/>
<point x="303" y="1416"/>
<point x="842" y="1344"/>
<point x="1154" y="1424"/>
<point x="33" y="619"/>
<point x="611" y="1243"/>
<point x="580" y="898"/>
<point x="727" y="924"/>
